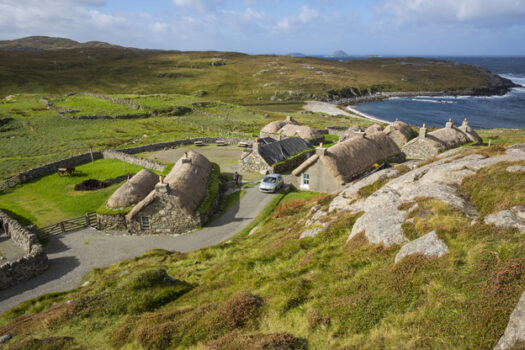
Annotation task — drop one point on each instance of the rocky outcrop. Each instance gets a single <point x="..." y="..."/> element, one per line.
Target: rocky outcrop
<point x="516" y="168"/>
<point x="515" y="331"/>
<point x="514" y="217"/>
<point x="428" y="245"/>
<point x="439" y="180"/>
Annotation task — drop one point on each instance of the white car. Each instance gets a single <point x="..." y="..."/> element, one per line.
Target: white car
<point x="271" y="183"/>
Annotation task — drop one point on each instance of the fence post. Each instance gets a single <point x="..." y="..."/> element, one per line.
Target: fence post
<point x="62" y="227"/>
<point x="88" y="221"/>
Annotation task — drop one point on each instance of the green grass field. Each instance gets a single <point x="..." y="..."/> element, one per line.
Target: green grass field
<point x="88" y="106"/>
<point x="52" y="198"/>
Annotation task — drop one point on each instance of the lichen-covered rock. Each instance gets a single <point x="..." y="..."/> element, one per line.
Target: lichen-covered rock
<point x="516" y="168"/>
<point x="382" y="220"/>
<point x="428" y="245"/>
<point x="514" y="217"/>
<point x="351" y="192"/>
<point x="515" y="331"/>
<point x="312" y="232"/>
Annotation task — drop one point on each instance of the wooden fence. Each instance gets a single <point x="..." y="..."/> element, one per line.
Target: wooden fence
<point x="88" y="220"/>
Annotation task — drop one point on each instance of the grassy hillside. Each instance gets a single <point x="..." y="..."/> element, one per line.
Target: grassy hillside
<point x="270" y="290"/>
<point x="225" y="76"/>
<point x="38" y="43"/>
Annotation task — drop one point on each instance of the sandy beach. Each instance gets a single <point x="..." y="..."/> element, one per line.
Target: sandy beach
<point x="331" y="109"/>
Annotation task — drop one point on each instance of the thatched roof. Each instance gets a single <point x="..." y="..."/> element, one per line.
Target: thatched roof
<point x="372" y="129"/>
<point x="275" y="126"/>
<point x="438" y="141"/>
<point x="134" y="190"/>
<point x="350" y="132"/>
<point x="280" y="150"/>
<point x="354" y="156"/>
<point x="302" y="131"/>
<point x="399" y="131"/>
<point x="188" y="183"/>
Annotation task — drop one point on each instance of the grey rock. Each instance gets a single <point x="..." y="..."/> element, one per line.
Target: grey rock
<point x="515" y="331"/>
<point x="514" y="217"/>
<point x="311" y="232"/>
<point x="428" y="245"/>
<point x="5" y="338"/>
<point x="516" y="168"/>
<point x="386" y="230"/>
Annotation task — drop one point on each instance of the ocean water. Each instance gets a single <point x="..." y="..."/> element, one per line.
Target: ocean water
<point x="483" y="112"/>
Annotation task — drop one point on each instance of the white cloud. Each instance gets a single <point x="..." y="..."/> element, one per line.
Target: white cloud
<point x="305" y="16"/>
<point x="502" y="12"/>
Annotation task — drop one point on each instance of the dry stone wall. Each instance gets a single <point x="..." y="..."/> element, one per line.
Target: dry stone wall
<point x="32" y="263"/>
<point x="142" y="162"/>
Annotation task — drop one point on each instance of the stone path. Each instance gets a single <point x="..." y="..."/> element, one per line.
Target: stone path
<point x="73" y="255"/>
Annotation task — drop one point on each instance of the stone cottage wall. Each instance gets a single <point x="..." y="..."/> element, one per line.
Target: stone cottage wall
<point x="33" y="263"/>
<point x="111" y="222"/>
<point x="420" y="149"/>
<point x="252" y="162"/>
<point x="291" y="163"/>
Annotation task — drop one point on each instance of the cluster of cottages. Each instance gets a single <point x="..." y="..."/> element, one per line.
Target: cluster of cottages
<point x="146" y="204"/>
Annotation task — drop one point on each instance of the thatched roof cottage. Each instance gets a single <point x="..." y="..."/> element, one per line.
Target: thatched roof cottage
<point x="290" y="128"/>
<point x="175" y="205"/>
<point x="134" y="190"/>
<point x="268" y="156"/>
<point x="330" y="169"/>
<point x="429" y="145"/>
<point x="400" y="132"/>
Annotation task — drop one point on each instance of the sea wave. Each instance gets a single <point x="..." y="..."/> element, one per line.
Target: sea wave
<point x="515" y="78"/>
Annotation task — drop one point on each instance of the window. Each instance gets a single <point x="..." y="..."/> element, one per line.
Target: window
<point x="305" y="181"/>
<point x="144" y="223"/>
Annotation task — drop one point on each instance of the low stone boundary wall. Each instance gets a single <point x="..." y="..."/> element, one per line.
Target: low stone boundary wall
<point x="51" y="168"/>
<point x="34" y="262"/>
<point x="120" y="116"/>
<point x="142" y="162"/>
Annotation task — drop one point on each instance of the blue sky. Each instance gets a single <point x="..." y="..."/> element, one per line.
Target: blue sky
<point x="384" y="27"/>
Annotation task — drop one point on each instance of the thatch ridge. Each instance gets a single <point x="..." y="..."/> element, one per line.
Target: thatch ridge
<point x="356" y="155"/>
<point x="134" y="190"/>
<point x="297" y="171"/>
<point x="374" y="128"/>
<point x="276" y="125"/>
<point x="399" y="131"/>
<point x="352" y="131"/>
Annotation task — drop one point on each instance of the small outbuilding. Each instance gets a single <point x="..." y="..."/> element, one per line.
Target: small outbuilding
<point x="290" y="128"/>
<point x="269" y="156"/>
<point x="134" y="190"/>
<point x="429" y="145"/>
<point x="330" y="169"/>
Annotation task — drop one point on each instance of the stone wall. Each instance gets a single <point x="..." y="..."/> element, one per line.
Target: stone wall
<point x="420" y="149"/>
<point x="142" y="162"/>
<point x="111" y="222"/>
<point x="292" y="162"/>
<point x="337" y="130"/>
<point x="252" y="162"/>
<point x="33" y="263"/>
<point x="51" y="168"/>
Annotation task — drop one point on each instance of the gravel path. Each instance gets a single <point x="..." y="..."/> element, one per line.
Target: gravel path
<point x="73" y="255"/>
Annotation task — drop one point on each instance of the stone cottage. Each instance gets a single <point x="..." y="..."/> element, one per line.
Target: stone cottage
<point x="175" y="205"/>
<point x="330" y="169"/>
<point x="290" y="128"/>
<point x="268" y="156"/>
<point x="429" y="145"/>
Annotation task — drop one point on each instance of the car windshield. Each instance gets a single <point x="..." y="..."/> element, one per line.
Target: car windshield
<point x="270" y="179"/>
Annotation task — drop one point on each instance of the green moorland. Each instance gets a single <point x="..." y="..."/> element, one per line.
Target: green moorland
<point x="270" y="290"/>
<point x="226" y="76"/>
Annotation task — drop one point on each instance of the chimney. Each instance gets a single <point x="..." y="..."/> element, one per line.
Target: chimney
<point x="162" y="188"/>
<point x="423" y="131"/>
<point x="255" y="146"/>
<point x="360" y="134"/>
<point x="464" y="126"/>
<point x="161" y="179"/>
<point x="288" y="118"/>
<point x="449" y="124"/>
<point x="186" y="159"/>
<point x="320" y="151"/>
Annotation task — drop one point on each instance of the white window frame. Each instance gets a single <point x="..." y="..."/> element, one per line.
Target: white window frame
<point x="305" y="180"/>
<point x="144" y="223"/>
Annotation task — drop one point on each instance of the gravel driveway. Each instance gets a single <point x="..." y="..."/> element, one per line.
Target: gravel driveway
<point x="73" y="255"/>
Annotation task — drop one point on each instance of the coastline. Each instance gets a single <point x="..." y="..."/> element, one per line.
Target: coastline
<point x="366" y="116"/>
<point x="334" y="109"/>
